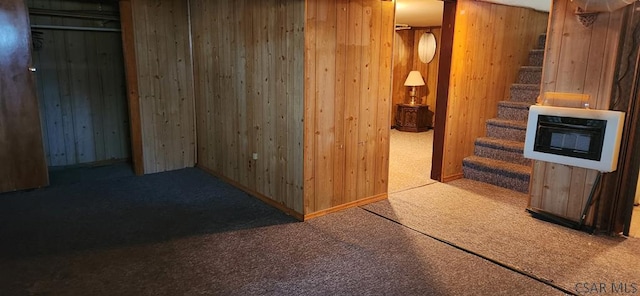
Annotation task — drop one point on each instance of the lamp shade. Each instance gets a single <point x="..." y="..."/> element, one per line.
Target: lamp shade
<point x="414" y="79"/>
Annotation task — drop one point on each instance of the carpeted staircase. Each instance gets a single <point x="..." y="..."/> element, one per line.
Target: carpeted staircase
<point x="498" y="157"/>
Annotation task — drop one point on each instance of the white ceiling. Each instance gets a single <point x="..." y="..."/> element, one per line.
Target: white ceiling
<point x="419" y="13"/>
<point x="428" y="13"/>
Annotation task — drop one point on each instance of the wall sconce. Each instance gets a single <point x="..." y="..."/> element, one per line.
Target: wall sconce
<point x="414" y="79"/>
<point x="586" y="18"/>
<point x="601" y="5"/>
<point x="587" y="10"/>
<point x="427" y="47"/>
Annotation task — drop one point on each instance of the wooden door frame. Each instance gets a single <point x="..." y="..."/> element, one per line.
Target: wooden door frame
<point x="442" y="90"/>
<point x="625" y="182"/>
<point x="131" y="76"/>
<point x="631" y="166"/>
<point x="615" y="201"/>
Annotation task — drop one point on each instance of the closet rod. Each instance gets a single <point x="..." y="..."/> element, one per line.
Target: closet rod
<point x="71" y="28"/>
<point x="73" y="14"/>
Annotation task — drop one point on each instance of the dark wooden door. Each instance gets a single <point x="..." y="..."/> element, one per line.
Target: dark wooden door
<point x="22" y="160"/>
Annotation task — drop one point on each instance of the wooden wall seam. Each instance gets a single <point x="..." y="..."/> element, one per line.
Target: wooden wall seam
<point x="309" y="103"/>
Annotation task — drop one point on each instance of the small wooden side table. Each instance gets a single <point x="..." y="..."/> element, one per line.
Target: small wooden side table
<point x="413" y="118"/>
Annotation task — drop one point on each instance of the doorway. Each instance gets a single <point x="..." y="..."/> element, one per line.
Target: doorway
<point x="81" y="88"/>
<point x="412" y="120"/>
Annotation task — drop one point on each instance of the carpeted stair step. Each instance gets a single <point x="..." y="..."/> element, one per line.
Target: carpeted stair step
<point x="524" y="92"/>
<point x="504" y="150"/>
<point x="509" y="110"/>
<point x="536" y="56"/>
<point x="496" y="172"/>
<point x="506" y="129"/>
<point x="530" y="75"/>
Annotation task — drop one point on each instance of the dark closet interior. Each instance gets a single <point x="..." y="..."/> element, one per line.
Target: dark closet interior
<point x="80" y="82"/>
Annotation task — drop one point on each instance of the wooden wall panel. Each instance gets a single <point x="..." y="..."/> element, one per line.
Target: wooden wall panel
<point x="248" y="65"/>
<point x="81" y="86"/>
<point x="165" y="88"/>
<point x="384" y="88"/>
<point x="406" y="59"/>
<point x="403" y="43"/>
<point x="491" y="42"/>
<point x="348" y="54"/>
<point x="581" y="60"/>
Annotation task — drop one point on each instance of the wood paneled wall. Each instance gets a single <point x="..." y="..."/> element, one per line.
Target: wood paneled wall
<point x="249" y="67"/>
<point x="81" y="86"/>
<point x="164" y="83"/>
<point x="582" y="60"/>
<point x="348" y="55"/>
<point x="490" y="43"/>
<point x="406" y="59"/>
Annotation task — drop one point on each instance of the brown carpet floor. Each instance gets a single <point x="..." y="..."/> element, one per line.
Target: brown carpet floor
<point x="410" y="160"/>
<point x="492" y="222"/>
<point x="349" y="253"/>
<point x="187" y="233"/>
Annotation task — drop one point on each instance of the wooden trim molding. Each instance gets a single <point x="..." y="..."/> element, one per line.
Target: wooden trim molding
<point x="131" y="74"/>
<point x="617" y="215"/>
<point x="615" y="203"/>
<point x="442" y="91"/>
<point x="352" y="204"/>
<point x="630" y="168"/>
<point x="254" y="193"/>
<point x="291" y="212"/>
<point x="446" y="179"/>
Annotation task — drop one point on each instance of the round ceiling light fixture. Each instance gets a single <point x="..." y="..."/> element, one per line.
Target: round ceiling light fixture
<point x="427" y="47"/>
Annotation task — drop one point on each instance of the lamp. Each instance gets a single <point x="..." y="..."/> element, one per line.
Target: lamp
<point x="414" y="79"/>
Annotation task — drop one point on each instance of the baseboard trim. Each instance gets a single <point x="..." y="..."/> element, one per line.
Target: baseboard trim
<point x="452" y="177"/>
<point x="341" y="207"/>
<point x="255" y="194"/>
<point x="98" y="163"/>
<point x="291" y="212"/>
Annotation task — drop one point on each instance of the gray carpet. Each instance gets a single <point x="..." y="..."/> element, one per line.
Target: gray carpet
<point x="66" y="175"/>
<point x="112" y="211"/>
<point x="187" y="233"/>
<point x="491" y="221"/>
